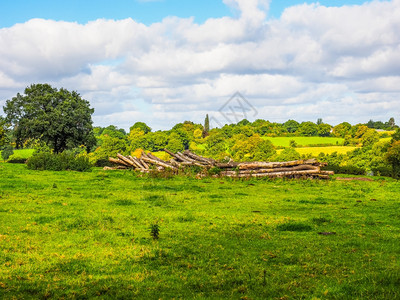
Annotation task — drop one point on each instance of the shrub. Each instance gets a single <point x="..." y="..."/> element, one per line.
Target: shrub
<point x="16" y="159"/>
<point x="393" y="157"/>
<point x="59" y="161"/>
<point x="7" y="152"/>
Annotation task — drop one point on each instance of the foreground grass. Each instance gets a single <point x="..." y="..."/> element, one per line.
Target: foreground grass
<point x="82" y="235"/>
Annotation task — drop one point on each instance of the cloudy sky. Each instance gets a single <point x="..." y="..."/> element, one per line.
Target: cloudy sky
<point x="167" y="61"/>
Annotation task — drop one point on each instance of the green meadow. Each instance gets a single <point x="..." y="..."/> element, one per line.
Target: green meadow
<point x="116" y="235"/>
<point x="284" y="141"/>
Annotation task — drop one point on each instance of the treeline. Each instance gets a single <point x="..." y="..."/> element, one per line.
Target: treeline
<point x="58" y="124"/>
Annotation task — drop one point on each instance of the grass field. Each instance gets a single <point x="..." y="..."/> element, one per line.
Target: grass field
<point x="304" y="140"/>
<point x="23" y="153"/>
<point x="327" y="150"/>
<point x="83" y="235"/>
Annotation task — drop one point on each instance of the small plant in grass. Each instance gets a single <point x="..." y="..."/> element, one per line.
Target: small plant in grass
<point x="320" y="220"/>
<point x="155" y="231"/>
<point x="294" y="226"/>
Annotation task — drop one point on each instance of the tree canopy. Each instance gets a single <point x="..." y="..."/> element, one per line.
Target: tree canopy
<point x="60" y="118"/>
<point x="3" y="132"/>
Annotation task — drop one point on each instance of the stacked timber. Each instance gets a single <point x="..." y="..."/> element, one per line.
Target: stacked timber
<point x="292" y="169"/>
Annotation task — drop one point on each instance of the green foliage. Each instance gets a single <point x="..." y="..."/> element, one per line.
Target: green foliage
<point x="288" y="154"/>
<point x="215" y="144"/>
<point x="60" y="118"/>
<point x="369" y="138"/>
<point x="113" y="131"/>
<point x="174" y="143"/>
<point x="66" y="160"/>
<point x="393" y="157"/>
<point x="7" y="152"/>
<point x="142" y="126"/>
<point x="292" y="144"/>
<point x="308" y="129"/>
<point x="252" y="149"/>
<point x="16" y="159"/>
<point x="155" y="231"/>
<point x="3" y="132"/>
<point x="342" y="130"/>
<point x="324" y="129"/>
<point x="206" y="129"/>
<point x="396" y="136"/>
<point x="110" y="147"/>
<point x="294" y="226"/>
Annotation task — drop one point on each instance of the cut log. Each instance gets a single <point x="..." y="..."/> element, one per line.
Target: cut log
<point x="118" y="162"/>
<point x="170" y="153"/>
<point x="199" y="158"/>
<point x="162" y="164"/>
<point x="139" y="163"/>
<point x="272" y="175"/>
<point x="115" y="168"/>
<point x="270" y="165"/>
<point x="134" y="161"/>
<point x="276" y="170"/>
<point x="126" y="160"/>
<point x="327" y="173"/>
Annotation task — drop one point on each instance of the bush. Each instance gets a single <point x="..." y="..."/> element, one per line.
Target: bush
<point x="16" y="159"/>
<point x="7" y="152"/>
<point x="59" y="162"/>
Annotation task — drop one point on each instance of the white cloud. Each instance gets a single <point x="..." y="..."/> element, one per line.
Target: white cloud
<point x="338" y="63"/>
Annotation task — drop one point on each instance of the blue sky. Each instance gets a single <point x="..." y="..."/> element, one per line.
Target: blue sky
<point x="147" y="12"/>
<point x="303" y="60"/>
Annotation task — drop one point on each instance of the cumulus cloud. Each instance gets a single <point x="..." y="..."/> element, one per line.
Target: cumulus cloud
<point x="338" y="63"/>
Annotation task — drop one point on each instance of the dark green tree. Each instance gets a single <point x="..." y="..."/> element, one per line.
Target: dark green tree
<point x="324" y="129"/>
<point x="3" y="132"/>
<point x="308" y="129"/>
<point x="393" y="157"/>
<point x="206" y="129"/>
<point x="291" y="126"/>
<point x="60" y="118"/>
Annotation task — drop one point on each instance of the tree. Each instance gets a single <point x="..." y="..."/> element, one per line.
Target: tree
<point x="3" y="132"/>
<point x="174" y="143"/>
<point x="60" y="118"/>
<point x="206" y="126"/>
<point x="393" y="157"/>
<point x="142" y="126"/>
<point x="291" y="126"/>
<point x="324" y="129"/>
<point x="342" y="129"/>
<point x="319" y="121"/>
<point x="308" y="129"/>
<point x="391" y="123"/>
<point x="369" y="138"/>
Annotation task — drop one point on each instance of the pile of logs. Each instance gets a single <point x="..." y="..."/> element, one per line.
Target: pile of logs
<point x="292" y="169"/>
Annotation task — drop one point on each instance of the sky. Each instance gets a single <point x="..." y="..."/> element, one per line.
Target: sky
<point x="167" y="61"/>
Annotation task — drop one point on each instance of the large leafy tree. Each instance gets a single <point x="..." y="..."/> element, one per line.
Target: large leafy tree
<point x="3" y="132"/>
<point x="60" y="118"/>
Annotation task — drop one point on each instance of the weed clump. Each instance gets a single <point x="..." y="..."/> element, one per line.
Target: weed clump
<point x="294" y="226"/>
<point x="155" y="231"/>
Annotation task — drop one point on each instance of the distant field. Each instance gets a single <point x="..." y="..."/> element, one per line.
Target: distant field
<point x="327" y="150"/>
<point x="304" y="140"/>
<point x="23" y="153"/>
